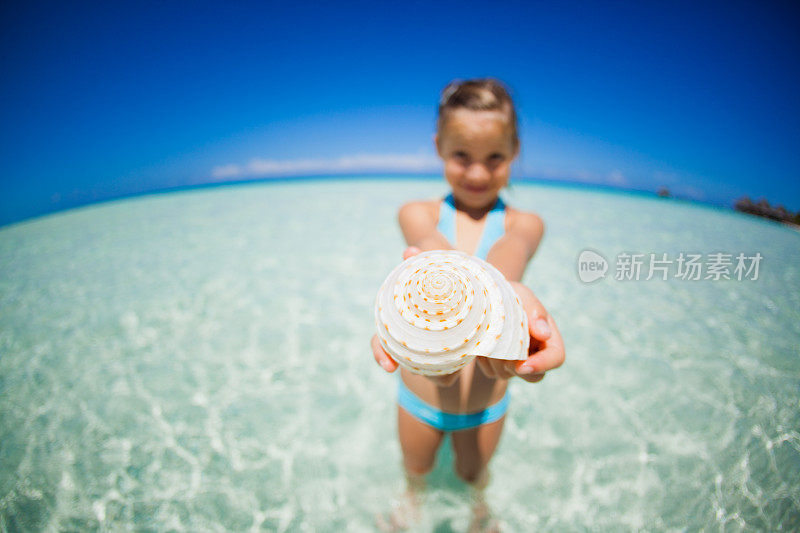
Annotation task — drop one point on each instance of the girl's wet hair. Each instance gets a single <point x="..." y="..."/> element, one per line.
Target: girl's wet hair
<point x="482" y="94"/>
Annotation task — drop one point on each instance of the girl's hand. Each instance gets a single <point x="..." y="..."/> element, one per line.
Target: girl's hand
<point x="546" y="350"/>
<point x="446" y="380"/>
<point x="410" y="252"/>
<point x="382" y="358"/>
<point x="386" y="361"/>
<point x="390" y="365"/>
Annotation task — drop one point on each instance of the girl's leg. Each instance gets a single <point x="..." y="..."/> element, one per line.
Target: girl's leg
<point x="419" y="443"/>
<point x="473" y="449"/>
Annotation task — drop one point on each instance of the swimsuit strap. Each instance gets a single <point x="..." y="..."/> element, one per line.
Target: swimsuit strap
<point x="447" y="219"/>
<point x="493" y="229"/>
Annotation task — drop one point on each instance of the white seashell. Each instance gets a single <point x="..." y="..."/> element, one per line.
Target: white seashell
<point x="438" y="310"/>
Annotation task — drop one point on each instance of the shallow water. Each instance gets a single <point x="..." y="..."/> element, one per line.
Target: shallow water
<point x="200" y="361"/>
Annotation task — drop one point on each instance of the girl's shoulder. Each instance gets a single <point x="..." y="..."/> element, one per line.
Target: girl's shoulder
<point x="525" y="221"/>
<point x="526" y="226"/>
<point x="420" y="210"/>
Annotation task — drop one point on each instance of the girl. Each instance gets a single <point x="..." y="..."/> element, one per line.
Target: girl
<point x="477" y="140"/>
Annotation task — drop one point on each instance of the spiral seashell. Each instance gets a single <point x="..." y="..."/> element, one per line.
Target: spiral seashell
<point x="438" y="310"/>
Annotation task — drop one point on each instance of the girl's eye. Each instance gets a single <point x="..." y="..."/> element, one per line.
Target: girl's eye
<point x="496" y="158"/>
<point x="461" y="156"/>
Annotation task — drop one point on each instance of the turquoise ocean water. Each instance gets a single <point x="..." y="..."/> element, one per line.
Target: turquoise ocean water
<point x="200" y="360"/>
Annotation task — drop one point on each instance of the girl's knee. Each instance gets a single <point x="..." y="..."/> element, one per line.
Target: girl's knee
<point x="475" y="475"/>
<point x="417" y="468"/>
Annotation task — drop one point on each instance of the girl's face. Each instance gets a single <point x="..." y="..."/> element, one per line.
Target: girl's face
<point x="477" y="148"/>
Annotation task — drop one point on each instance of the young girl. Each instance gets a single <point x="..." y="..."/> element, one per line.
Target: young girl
<point x="477" y="140"/>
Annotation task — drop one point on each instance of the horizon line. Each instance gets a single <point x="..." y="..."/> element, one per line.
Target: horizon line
<point x="547" y="181"/>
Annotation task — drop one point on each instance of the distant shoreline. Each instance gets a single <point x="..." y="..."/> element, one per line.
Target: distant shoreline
<point x="97" y="199"/>
<point x="791" y="225"/>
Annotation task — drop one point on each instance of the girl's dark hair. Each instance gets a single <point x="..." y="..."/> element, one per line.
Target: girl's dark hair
<point x="482" y="94"/>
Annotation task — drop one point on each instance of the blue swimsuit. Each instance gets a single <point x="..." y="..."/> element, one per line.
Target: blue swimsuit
<point x="424" y="412"/>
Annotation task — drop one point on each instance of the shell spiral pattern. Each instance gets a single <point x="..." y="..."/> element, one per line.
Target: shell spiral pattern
<point x="438" y="310"/>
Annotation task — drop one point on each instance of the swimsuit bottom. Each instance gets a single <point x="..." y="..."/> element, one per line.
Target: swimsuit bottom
<point x="442" y="421"/>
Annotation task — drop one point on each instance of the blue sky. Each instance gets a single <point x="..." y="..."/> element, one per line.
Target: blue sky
<point x="113" y="98"/>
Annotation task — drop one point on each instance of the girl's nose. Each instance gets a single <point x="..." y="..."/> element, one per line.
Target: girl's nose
<point x="477" y="172"/>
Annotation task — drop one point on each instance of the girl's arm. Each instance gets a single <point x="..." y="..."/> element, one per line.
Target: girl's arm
<point x="512" y="252"/>
<point x="510" y="255"/>
<point x="418" y="224"/>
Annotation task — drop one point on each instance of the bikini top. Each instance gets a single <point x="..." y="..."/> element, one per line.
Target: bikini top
<point x="493" y="229"/>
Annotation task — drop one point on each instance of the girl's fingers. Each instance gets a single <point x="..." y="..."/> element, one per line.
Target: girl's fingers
<point x="532" y="378"/>
<point x="538" y="319"/>
<point x="503" y="369"/>
<point x="497" y="368"/>
<point x="411" y="251"/>
<point x="493" y="364"/>
<point x="539" y="328"/>
<point x="510" y="368"/>
<point x="483" y="364"/>
<point x="537" y="314"/>
<point x="382" y="358"/>
<point x="446" y="380"/>
<point x="542" y="361"/>
<point x="549" y="357"/>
